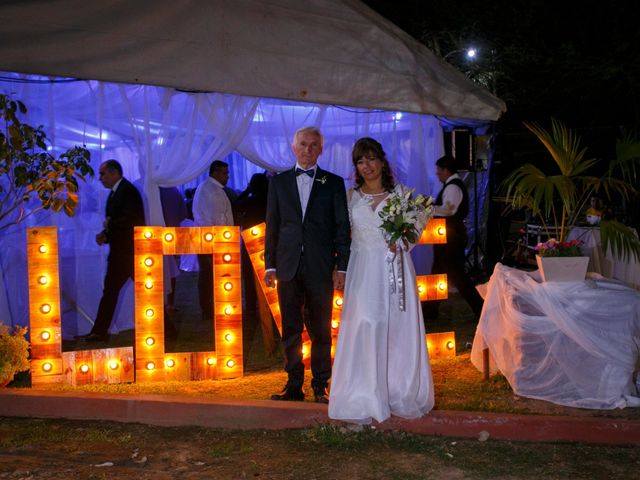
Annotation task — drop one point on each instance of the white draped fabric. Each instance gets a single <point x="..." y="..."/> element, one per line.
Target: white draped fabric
<point x="165" y="137"/>
<point x="570" y="343"/>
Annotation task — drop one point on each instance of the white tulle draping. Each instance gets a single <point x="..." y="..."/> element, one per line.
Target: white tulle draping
<point x="570" y="343"/>
<point x="166" y="137"/>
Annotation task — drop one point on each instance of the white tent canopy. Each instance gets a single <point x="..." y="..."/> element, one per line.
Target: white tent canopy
<point x="320" y="55"/>
<point x="320" y="51"/>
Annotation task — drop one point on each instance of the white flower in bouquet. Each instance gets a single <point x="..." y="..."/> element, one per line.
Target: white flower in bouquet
<point x="404" y="217"/>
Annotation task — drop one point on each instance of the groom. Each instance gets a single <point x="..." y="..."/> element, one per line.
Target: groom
<point x="306" y="250"/>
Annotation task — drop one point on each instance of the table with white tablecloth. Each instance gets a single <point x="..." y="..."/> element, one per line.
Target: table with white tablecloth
<point x="570" y="343"/>
<point x="607" y="265"/>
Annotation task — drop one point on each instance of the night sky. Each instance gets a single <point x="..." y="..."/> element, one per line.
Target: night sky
<point x="576" y="61"/>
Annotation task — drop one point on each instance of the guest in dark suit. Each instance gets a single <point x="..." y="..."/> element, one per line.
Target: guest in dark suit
<point x="124" y="211"/>
<point x="452" y="204"/>
<point x="307" y="251"/>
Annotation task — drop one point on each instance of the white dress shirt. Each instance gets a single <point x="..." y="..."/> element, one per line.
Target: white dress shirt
<point x="305" y="183"/>
<point x="451" y="199"/>
<point x="211" y="206"/>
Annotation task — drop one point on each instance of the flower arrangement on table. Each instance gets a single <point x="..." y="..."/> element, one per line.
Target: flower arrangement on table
<point x="403" y="219"/>
<point x="554" y="248"/>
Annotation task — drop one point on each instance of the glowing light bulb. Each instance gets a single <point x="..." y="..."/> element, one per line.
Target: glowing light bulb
<point x="339" y="302"/>
<point x="231" y="363"/>
<point x="168" y="237"/>
<point x="208" y="236"/>
<point x="442" y="286"/>
<point x="228" y="286"/>
<point x="211" y="361"/>
<point x="151" y="366"/>
<point x="227" y="234"/>
<point x="255" y="231"/>
<point x="150" y="341"/>
<point x="226" y="257"/>
<point x="228" y="337"/>
<point x="228" y="310"/>
<point x="420" y="288"/>
<point x="149" y="313"/>
<point x="84" y="368"/>
<point x="45" y="308"/>
<point x="450" y="345"/>
<point x="46" y="335"/>
<point x="43" y="279"/>
<point x="47" y="366"/>
<point x="148" y="284"/>
<point x="440" y="230"/>
<point x="334" y="324"/>
<point x="148" y="261"/>
<point x="113" y="364"/>
<point x="42" y="248"/>
<point x="147" y="234"/>
<point x="170" y="362"/>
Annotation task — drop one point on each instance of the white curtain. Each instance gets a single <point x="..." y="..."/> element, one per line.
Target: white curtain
<point x="165" y="137"/>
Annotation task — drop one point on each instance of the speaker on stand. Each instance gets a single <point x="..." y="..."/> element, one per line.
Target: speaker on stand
<point x="464" y="150"/>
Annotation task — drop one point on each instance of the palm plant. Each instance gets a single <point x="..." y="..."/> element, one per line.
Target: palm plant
<point x="558" y="199"/>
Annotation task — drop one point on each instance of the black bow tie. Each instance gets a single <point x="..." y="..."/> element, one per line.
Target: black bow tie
<point x="300" y="171"/>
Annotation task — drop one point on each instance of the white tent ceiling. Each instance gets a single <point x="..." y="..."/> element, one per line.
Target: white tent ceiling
<point x="321" y="51"/>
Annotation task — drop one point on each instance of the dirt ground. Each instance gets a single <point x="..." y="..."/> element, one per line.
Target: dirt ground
<point x="59" y="449"/>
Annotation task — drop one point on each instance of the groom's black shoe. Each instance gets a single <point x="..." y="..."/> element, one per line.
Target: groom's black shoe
<point x="320" y="395"/>
<point x="289" y="394"/>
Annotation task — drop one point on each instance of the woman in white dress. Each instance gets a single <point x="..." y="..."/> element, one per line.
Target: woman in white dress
<point x="381" y="365"/>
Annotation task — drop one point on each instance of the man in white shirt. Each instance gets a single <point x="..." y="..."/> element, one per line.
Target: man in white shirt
<point x="211" y="206"/>
<point x="452" y="204"/>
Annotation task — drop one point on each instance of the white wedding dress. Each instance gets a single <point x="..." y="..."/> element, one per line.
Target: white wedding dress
<point x="381" y="365"/>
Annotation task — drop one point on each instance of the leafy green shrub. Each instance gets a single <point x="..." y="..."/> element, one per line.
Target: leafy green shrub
<point x="14" y="352"/>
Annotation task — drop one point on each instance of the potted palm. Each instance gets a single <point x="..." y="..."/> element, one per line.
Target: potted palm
<point x="558" y="199"/>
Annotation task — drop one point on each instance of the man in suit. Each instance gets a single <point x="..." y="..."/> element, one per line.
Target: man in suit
<point x="452" y="204"/>
<point x="306" y="250"/>
<point x="211" y="206"/>
<point x="124" y="211"/>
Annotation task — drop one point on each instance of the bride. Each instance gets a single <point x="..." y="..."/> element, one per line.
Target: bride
<point x="381" y="365"/>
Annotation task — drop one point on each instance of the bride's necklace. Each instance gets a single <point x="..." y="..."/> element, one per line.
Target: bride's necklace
<point x="373" y="194"/>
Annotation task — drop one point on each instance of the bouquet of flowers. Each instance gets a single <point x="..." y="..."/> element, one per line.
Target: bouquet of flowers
<point x="553" y="248"/>
<point x="404" y="217"/>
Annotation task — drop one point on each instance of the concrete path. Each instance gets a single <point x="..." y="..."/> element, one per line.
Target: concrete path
<point x="176" y="410"/>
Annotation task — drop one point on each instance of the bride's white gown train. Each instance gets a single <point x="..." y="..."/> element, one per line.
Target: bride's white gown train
<point x="381" y="365"/>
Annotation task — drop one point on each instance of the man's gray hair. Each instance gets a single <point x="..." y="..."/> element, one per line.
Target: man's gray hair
<point x="313" y="130"/>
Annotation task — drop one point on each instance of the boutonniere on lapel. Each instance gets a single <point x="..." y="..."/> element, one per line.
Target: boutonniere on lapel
<point x="322" y="180"/>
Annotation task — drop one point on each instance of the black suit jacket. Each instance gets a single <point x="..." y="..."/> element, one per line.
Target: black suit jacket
<point x="324" y="233"/>
<point x="124" y="211"/>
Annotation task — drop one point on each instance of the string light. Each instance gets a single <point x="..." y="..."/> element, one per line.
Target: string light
<point x="228" y="286"/>
<point x="170" y="362"/>
<point x="84" y="368"/>
<point x="149" y="312"/>
<point x="147" y="234"/>
<point x="150" y="341"/>
<point x="227" y="234"/>
<point x="339" y="302"/>
<point x="168" y="237"/>
<point x="226" y="257"/>
<point x="231" y="363"/>
<point x="228" y="310"/>
<point x="148" y="284"/>
<point x="148" y="261"/>
<point x="46" y="335"/>
<point x="45" y="308"/>
<point x="151" y="366"/>
<point x="211" y="361"/>
<point x="113" y="364"/>
<point x="47" y="366"/>
<point x="450" y="345"/>
<point x="228" y="337"/>
<point x="43" y="279"/>
<point x="255" y="231"/>
<point x="208" y="236"/>
<point x="42" y="248"/>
